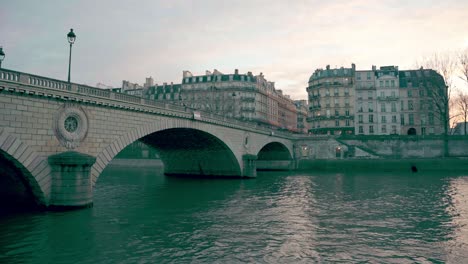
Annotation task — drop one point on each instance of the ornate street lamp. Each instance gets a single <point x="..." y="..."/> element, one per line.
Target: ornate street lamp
<point x="71" y="39"/>
<point x="2" y="56"/>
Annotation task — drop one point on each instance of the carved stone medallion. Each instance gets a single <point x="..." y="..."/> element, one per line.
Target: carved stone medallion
<point x="71" y="125"/>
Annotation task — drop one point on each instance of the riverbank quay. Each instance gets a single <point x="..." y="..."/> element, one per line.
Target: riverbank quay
<point x="136" y="163"/>
<point x="414" y="165"/>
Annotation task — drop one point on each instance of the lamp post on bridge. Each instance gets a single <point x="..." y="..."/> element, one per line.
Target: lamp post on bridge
<point x="2" y="56"/>
<point x="71" y="39"/>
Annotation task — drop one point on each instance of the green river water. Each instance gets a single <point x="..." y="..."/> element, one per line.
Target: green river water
<point x="141" y="216"/>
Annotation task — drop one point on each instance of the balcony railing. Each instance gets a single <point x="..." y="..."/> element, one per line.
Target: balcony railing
<point x="388" y="98"/>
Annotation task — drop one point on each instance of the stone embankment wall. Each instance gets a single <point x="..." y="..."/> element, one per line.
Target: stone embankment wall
<point x="378" y="147"/>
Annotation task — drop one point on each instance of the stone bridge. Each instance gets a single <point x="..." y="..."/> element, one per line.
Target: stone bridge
<point x="57" y="138"/>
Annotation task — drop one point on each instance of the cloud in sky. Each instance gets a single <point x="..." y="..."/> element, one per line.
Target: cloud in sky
<point x="286" y="40"/>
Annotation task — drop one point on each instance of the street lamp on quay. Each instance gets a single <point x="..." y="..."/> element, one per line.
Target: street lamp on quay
<point x="71" y="39"/>
<point x="2" y="56"/>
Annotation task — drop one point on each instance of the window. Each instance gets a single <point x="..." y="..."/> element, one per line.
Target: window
<point x="393" y="129"/>
<point x="421" y="105"/>
<point x="360" y="107"/>
<point x="361" y="130"/>
<point x="208" y="78"/>
<point x="369" y="95"/>
<point x="371" y="129"/>
<point x="359" y="118"/>
<point x="337" y="113"/>
<point x="384" y="129"/>
<point x="337" y="102"/>
<point x="358" y="76"/>
<point x="368" y="76"/>
<point x="384" y="119"/>
<point x="402" y="105"/>
<point x="382" y="107"/>
<point x="393" y="107"/>
<point x="430" y="106"/>
<point x="393" y="118"/>
<point x="387" y="83"/>
<point x="371" y="118"/>
<point x="327" y="92"/>
<point x="347" y="112"/>
<point x="328" y="113"/>
<point x="347" y="122"/>
<point x="410" y="105"/>
<point x="410" y="93"/>
<point x="393" y="94"/>
<point x="336" y="91"/>
<point x="346" y="91"/>
<point x="423" y="119"/>
<point x="337" y="123"/>
<point x="431" y="130"/>
<point x="359" y="95"/>
<point x="371" y="106"/>
<point x="421" y="93"/>
<point x="411" y="119"/>
<point x="423" y="131"/>
<point x="381" y="83"/>
<point x="382" y="94"/>
<point x="402" y="119"/>
<point x="392" y="83"/>
<point x="431" y="118"/>
<point x="346" y="100"/>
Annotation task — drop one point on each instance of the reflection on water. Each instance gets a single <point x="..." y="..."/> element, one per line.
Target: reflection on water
<point x="140" y="215"/>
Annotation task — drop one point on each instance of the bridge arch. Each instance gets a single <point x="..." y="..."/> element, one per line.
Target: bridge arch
<point x="274" y="156"/>
<point x="28" y="169"/>
<point x="274" y="151"/>
<point x="180" y="142"/>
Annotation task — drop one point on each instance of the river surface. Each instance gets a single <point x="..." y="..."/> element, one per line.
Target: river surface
<point x="141" y="216"/>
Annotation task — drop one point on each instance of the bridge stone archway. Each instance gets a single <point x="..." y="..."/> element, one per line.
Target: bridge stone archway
<point x="186" y="148"/>
<point x="274" y="156"/>
<point x="23" y="165"/>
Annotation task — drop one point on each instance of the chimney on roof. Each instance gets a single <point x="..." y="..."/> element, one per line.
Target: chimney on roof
<point x="328" y="67"/>
<point x="236" y="71"/>
<point x="374" y="67"/>
<point x="353" y="66"/>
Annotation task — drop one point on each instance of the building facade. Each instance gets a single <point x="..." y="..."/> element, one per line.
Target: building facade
<point x="242" y="96"/>
<point x="237" y="95"/>
<point x="302" y="108"/>
<point x="384" y="101"/>
<point x="331" y="101"/>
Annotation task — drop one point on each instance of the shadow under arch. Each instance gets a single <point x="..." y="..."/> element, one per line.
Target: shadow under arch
<point x="24" y="175"/>
<point x="187" y="151"/>
<point x="184" y="151"/>
<point x="274" y="156"/>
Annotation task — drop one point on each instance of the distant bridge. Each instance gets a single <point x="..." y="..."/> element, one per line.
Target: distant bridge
<point x="59" y="137"/>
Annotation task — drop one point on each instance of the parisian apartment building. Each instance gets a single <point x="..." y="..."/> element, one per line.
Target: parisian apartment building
<point x="237" y="95"/>
<point x="383" y="101"/>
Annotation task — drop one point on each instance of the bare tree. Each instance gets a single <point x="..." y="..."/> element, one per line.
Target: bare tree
<point x="462" y="103"/>
<point x="440" y="92"/>
<point x="440" y="89"/>
<point x="463" y="64"/>
<point x="462" y="100"/>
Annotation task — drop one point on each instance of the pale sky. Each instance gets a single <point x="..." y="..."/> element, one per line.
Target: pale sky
<point x="286" y="40"/>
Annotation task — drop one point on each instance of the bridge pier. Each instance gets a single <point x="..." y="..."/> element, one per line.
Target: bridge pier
<point x="71" y="180"/>
<point x="250" y="166"/>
